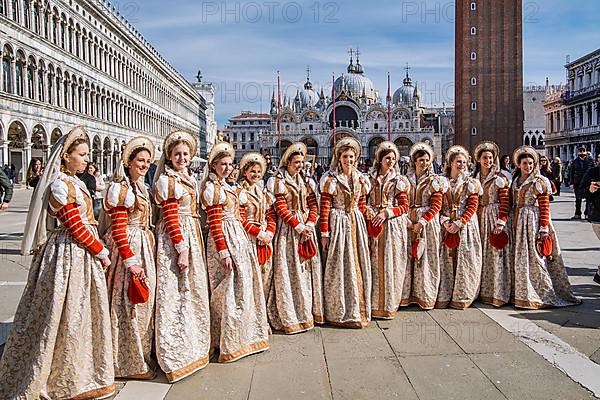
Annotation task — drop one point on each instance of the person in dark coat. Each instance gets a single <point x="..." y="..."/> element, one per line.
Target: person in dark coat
<point x="579" y="167"/>
<point x="591" y="181"/>
<point x="557" y="174"/>
<point x="90" y="182"/>
<point x="6" y="191"/>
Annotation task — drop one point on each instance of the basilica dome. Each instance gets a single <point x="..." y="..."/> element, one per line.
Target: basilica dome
<point x="407" y="94"/>
<point x="308" y="97"/>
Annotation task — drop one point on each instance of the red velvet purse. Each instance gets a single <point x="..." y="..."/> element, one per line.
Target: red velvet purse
<point x="307" y="249"/>
<point x="264" y="253"/>
<point x="418" y="248"/>
<point x="138" y="291"/>
<point x="544" y="246"/>
<point x="451" y="240"/>
<point x="374" y="231"/>
<point x="499" y="241"/>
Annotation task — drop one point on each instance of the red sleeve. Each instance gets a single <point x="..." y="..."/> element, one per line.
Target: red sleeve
<point x="402" y="207"/>
<point x="69" y="217"/>
<point x="171" y="217"/>
<point x="313" y="208"/>
<point x="544" y="205"/>
<point x="504" y="195"/>
<point x="471" y="209"/>
<point x="118" y="216"/>
<point x="362" y="205"/>
<point x="325" y="209"/>
<point x="249" y="227"/>
<point x="271" y="220"/>
<point x="435" y="205"/>
<point x="282" y="209"/>
<point x="215" y="226"/>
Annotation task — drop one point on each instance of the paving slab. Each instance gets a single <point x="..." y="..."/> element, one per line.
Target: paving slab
<point x="416" y="332"/>
<point x="9" y="295"/>
<point x="371" y="378"/>
<point x="299" y="347"/>
<point x="448" y="377"/>
<point x="355" y="343"/>
<point x="527" y="375"/>
<point x="290" y="381"/>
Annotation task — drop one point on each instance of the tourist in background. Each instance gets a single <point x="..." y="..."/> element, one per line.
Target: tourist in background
<point x="557" y="174"/>
<point x="34" y="172"/>
<point x="541" y="280"/>
<point x="579" y="167"/>
<point x="505" y="164"/>
<point x="6" y="191"/>
<point x="388" y="233"/>
<point x="60" y="344"/>
<point x="546" y="171"/>
<point x="592" y="181"/>
<point x="347" y="270"/>
<point x="238" y="313"/>
<point x="295" y="303"/>
<point x="493" y="213"/>
<point x="182" y="328"/>
<point x="128" y="234"/>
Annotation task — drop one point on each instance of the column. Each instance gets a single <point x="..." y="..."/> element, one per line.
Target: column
<point x="101" y="159"/>
<point x="3" y="152"/>
<point x="26" y="160"/>
<point x="13" y="73"/>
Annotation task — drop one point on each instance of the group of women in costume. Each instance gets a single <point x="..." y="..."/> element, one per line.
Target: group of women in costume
<point x="386" y="240"/>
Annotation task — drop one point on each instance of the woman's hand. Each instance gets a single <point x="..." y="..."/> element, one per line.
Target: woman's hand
<point x="380" y="218"/>
<point x="498" y="229"/>
<point x="138" y="271"/>
<point x="227" y="264"/>
<point x="417" y="228"/>
<point x="105" y="262"/>
<point x="325" y="243"/>
<point x="183" y="260"/>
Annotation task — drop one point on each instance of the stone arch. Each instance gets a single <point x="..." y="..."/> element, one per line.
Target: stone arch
<point x="373" y="143"/>
<point x="106" y="156"/>
<point x="39" y="143"/>
<point x="312" y="146"/>
<point x="17" y="155"/>
<point x="404" y="144"/>
<point x="56" y="134"/>
<point x="96" y="150"/>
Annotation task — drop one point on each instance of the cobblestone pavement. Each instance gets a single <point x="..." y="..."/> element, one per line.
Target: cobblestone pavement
<point x="478" y="353"/>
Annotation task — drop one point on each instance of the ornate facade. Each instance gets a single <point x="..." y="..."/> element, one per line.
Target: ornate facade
<point x="534" y="123"/>
<point x="76" y="62"/>
<point x="573" y="111"/>
<point x="359" y="112"/>
<point x="207" y="90"/>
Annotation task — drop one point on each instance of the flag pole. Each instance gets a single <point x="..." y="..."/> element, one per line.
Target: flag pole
<point x="333" y="97"/>
<point x="389" y="98"/>
<point x="278" y="113"/>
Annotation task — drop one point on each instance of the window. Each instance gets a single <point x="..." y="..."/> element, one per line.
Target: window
<point x="473" y="131"/>
<point x="473" y="81"/>
<point x="376" y="126"/>
<point x="243" y="137"/>
<point x="473" y="6"/>
<point x="252" y="146"/>
<point x="473" y="56"/>
<point x="473" y="31"/>
<point x="243" y="147"/>
<point x="474" y="106"/>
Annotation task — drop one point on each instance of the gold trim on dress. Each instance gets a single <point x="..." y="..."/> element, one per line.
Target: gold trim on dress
<point x="244" y="351"/>
<point x="101" y="393"/>
<point x="184" y="372"/>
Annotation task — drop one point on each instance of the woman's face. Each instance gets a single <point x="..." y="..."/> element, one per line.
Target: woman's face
<point x="37" y="165"/>
<point x="459" y="163"/>
<point x="526" y="165"/>
<point x="180" y="156"/>
<point x="91" y="169"/>
<point x="506" y="161"/>
<point x="254" y="174"/>
<point x="486" y="159"/>
<point x="347" y="160"/>
<point x="543" y="161"/>
<point x="140" y="164"/>
<point x="223" y="167"/>
<point x="77" y="160"/>
<point x="295" y="164"/>
<point x="423" y="162"/>
<point x="388" y="161"/>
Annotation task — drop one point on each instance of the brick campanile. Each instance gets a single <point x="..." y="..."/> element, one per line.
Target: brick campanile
<point x="489" y="73"/>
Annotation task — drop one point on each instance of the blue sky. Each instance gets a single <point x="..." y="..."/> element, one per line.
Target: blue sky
<point x="239" y="46"/>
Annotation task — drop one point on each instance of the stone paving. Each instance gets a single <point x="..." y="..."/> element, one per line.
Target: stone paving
<point x="439" y="354"/>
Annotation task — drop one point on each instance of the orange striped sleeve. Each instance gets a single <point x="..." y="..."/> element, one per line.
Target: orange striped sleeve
<point x="313" y="208"/>
<point x="325" y="210"/>
<point x="435" y="205"/>
<point x="271" y="220"/>
<point x="69" y="217"/>
<point x="470" y="209"/>
<point x="249" y="227"/>
<point x="402" y="207"/>
<point x="215" y="226"/>
<point x="504" y="196"/>
<point x="283" y="211"/>
<point x="544" y="205"/>
<point x="118" y="216"/>
<point x="171" y="217"/>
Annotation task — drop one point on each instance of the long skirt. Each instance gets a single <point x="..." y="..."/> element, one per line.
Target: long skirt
<point x="497" y="273"/>
<point x="422" y="279"/>
<point x="237" y="306"/>
<point x="295" y="300"/>
<point x="347" y="275"/>
<point x="266" y="271"/>
<point x="182" y="334"/>
<point x="389" y="259"/>
<point x="132" y="324"/>
<point x="461" y="269"/>
<point x="60" y="345"/>
<point x="540" y="282"/>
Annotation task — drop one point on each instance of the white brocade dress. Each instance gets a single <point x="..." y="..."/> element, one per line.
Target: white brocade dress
<point x="182" y="328"/>
<point x="295" y="301"/>
<point x="239" y="324"/>
<point x="497" y="273"/>
<point x="132" y="244"/>
<point x="389" y="251"/>
<point x="347" y="274"/>
<point x="60" y="344"/>
<point x="461" y="267"/>
<point x="540" y="282"/>
<point x="422" y="278"/>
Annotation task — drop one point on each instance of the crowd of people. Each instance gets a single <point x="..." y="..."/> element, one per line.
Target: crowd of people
<point x="183" y="271"/>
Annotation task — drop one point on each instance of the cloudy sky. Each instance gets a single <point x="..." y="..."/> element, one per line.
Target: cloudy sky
<point x="239" y="46"/>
